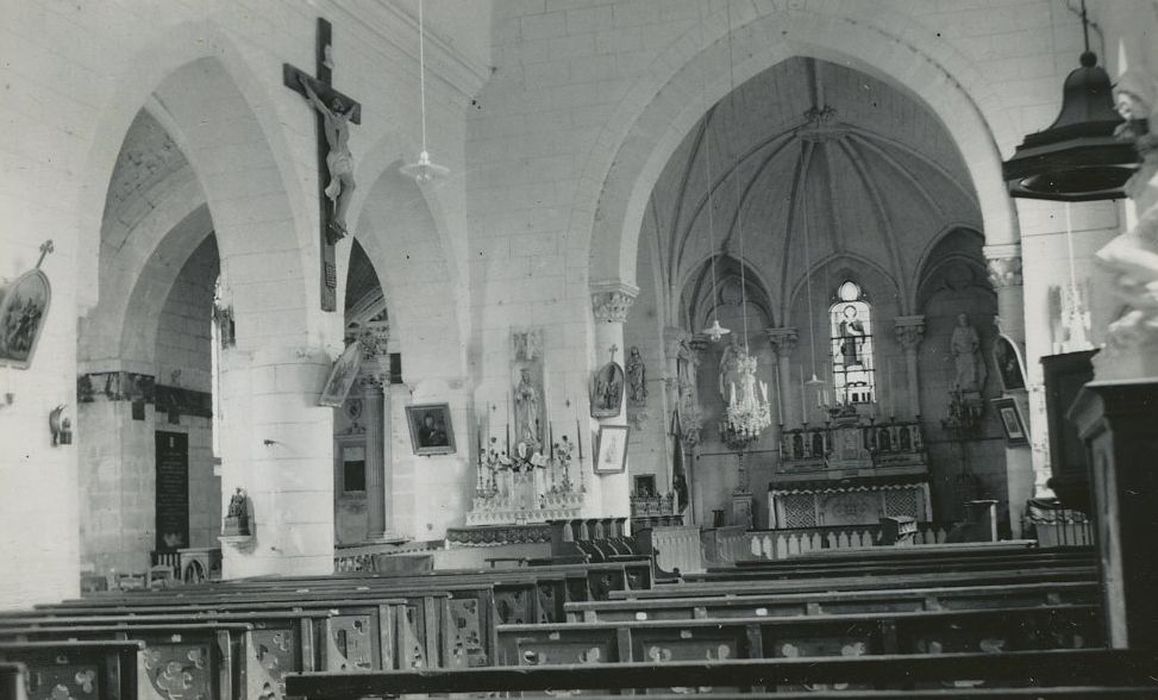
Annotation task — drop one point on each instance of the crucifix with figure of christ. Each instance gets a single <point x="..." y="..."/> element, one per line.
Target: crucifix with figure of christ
<point x="335" y="112"/>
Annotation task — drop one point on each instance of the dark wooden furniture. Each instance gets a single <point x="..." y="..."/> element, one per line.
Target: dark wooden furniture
<point x="1064" y="376"/>
<point x="891" y="673"/>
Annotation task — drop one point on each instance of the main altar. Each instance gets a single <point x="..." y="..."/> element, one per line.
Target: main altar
<point x="853" y="470"/>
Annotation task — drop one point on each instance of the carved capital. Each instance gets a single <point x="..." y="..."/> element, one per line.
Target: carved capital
<point x="1004" y="265"/>
<point x="611" y="301"/>
<point x="783" y="340"/>
<point x="909" y="331"/>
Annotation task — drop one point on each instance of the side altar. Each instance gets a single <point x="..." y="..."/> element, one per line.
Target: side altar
<point x="527" y="476"/>
<point x="526" y="486"/>
<point x="852" y="470"/>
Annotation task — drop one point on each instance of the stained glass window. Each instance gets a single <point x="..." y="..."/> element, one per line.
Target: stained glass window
<point x="851" y="322"/>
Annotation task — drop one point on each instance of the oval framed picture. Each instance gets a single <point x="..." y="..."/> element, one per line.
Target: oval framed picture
<point x="23" y="308"/>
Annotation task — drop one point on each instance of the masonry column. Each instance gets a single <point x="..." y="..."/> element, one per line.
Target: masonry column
<point x="1024" y="478"/>
<point x="611" y="302"/>
<point x="277" y="445"/>
<point x="374" y="380"/>
<point x="783" y="342"/>
<point x="909" y="332"/>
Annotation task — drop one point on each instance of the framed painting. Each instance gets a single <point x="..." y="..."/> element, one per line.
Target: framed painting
<point x="1007" y="360"/>
<point x="23" y="308"/>
<point x="1012" y="422"/>
<point x="611" y="452"/>
<point x="431" y="431"/>
<point x="342" y="377"/>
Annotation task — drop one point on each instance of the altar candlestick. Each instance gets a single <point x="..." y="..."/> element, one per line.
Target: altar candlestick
<point x="803" y="398"/>
<point x="551" y="438"/>
<point x="889" y="372"/>
<point x="579" y="439"/>
<point x="779" y="398"/>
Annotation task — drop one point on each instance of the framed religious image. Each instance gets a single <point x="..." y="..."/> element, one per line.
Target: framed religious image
<point x="1011" y="421"/>
<point x="342" y="377"/>
<point x="430" y="430"/>
<point x="23" y="307"/>
<point x="607" y="391"/>
<point x="611" y="453"/>
<point x="1007" y="360"/>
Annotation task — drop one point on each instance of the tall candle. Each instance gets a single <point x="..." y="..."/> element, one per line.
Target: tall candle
<point x="889" y="372"/>
<point x="803" y="398"/>
<point x="779" y="398"/>
<point x="579" y="439"/>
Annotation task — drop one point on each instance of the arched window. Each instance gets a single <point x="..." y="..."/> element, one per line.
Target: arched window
<point x="851" y="322"/>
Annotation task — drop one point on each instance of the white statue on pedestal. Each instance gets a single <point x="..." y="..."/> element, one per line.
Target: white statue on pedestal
<point x="1133" y="256"/>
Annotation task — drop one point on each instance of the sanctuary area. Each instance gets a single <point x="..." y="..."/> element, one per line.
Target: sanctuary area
<point x="674" y="338"/>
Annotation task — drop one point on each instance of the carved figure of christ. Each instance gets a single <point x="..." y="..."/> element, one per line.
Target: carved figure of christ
<point x="335" y="112"/>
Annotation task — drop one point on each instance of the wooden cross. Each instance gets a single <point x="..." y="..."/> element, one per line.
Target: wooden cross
<point x="293" y="78"/>
<point x="45" y="248"/>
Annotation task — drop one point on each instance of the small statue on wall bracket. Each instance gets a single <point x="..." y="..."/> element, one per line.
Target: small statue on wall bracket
<point x="237" y="516"/>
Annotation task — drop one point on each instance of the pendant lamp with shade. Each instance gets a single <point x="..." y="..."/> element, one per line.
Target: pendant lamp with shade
<point x="1078" y="158"/>
<point x="423" y="170"/>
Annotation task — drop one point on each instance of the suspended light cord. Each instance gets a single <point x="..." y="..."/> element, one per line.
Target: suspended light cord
<point x="739" y="199"/>
<point x="423" y="170"/>
<point x="715" y="330"/>
<point x="1070" y="249"/>
<point x="808" y="280"/>
<point x="422" y="71"/>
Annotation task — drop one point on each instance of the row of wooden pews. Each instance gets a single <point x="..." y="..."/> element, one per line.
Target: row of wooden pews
<point x="977" y="621"/>
<point x="238" y="639"/>
<point x="940" y="621"/>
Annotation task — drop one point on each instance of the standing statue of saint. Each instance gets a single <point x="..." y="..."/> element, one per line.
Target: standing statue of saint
<point x="729" y="368"/>
<point x="526" y="410"/>
<point x="636" y="378"/>
<point x="965" y="348"/>
<point x="336" y="117"/>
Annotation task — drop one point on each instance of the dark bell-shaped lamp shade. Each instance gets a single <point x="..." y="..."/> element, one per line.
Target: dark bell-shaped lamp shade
<point x="1078" y="158"/>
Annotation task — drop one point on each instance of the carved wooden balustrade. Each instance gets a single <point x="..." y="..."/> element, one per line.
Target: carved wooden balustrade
<point x="781" y="544"/>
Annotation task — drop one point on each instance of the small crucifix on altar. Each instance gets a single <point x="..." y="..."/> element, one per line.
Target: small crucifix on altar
<point x="335" y="112"/>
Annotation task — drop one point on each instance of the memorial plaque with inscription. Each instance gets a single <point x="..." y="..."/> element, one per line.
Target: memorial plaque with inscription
<point x="172" y="502"/>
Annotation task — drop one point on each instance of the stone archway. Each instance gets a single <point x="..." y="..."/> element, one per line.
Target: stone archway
<point x="276" y="442"/>
<point x="660" y="110"/>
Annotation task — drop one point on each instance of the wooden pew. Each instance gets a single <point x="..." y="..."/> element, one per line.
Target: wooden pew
<point x="276" y="642"/>
<point x="367" y="631"/>
<point x="809" y="567"/>
<point x="828" y="602"/>
<point x="209" y="659"/>
<point x="891" y="673"/>
<point x="660" y="641"/>
<point x="106" y="670"/>
<point x="853" y="583"/>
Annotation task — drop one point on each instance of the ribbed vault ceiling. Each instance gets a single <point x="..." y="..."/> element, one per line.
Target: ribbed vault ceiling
<point x="809" y="150"/>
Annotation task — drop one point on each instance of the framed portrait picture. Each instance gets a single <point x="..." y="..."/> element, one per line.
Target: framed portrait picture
<point x="611" y="453"/>
<point x="342" y="377"/>
<point x="1012" y="422"/>
<point x="430" y="430"/>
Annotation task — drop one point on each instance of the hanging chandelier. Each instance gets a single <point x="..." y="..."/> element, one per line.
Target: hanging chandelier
<point x="423" y="170"/>
<point x="747" y="414"/>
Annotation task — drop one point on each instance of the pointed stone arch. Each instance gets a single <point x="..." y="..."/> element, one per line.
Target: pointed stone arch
<point x="689" y="78"/>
